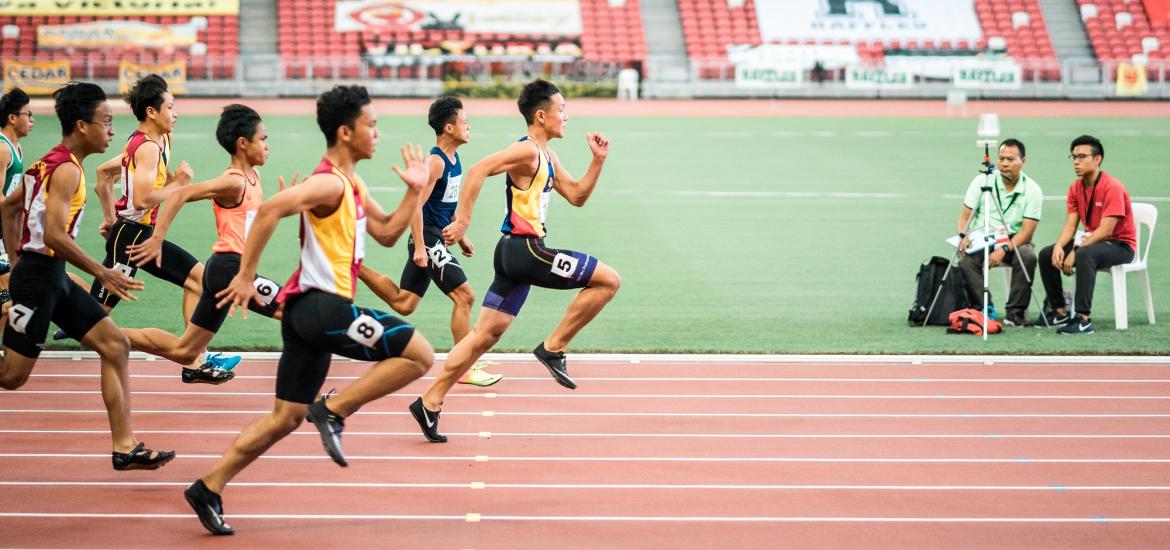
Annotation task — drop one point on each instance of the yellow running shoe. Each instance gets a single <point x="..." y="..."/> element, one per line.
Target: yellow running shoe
<point x="476" y="376"/>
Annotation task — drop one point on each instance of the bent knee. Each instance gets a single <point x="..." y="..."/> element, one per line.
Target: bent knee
<point x="12" y="381"/>
<point x="420" y="354"/>
<point x="463" y="297"/>
<point x="606" y="278"/>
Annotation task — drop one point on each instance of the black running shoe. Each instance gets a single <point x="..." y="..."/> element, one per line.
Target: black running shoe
<point x="330" y="426"/>
<point x="555" y="362"/>
<point x="428" y="421"/>
<point x="141" y="458"/>
<point x="1077" y="326"/>
<point x="1053" y="319"/>
<point x="207" y="374"/>
<point x="209" y="507"/>
<point x="60" y="335"/>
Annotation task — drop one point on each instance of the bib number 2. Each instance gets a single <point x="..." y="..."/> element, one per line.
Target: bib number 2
<point x="439" y="255"/>
<point x="365" y="330"/>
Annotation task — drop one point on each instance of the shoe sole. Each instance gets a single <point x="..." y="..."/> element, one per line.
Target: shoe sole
<point x="494" y="379"/>
<point x="153" y="466"/>
<point x="561" y="378"/>
<point x="440" y="438"/>
<point x="212" y="382"/>
<point x="211" y="528"/>
<point x="327" y="438"/>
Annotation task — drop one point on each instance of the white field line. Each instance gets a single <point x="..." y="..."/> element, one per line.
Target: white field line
<point x="667" y="459"/>
<point x="700" y="379"/>
<point x="622" y="414"/>
<point x="630" y="395"/>
<point x="526" y="435"/>
<point x="598" y="486"/>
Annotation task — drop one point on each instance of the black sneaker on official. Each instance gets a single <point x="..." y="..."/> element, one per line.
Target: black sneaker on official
<point x="1078" y="326"/>
<point x="1017" y="319"/>
<point x="209" y="507"/>
<point x="207" y="373"/>
<point x="330" y="426"/>
<point x="428" y="421"/>
<point x="555" y="363"/>
<point x="1053" y="319"/>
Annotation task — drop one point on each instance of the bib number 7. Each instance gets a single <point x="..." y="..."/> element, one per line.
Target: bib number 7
<point x="18" y="317"/>
<point x="365" y="330"/>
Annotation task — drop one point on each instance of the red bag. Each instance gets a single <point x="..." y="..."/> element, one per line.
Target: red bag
<point x="970" y="321"/>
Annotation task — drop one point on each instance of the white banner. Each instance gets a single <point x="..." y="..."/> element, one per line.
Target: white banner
<point x="1003" y="75"/>
<point x="543" y="17"/>
<point x="768" y="75"/>
<point x="859" y="20"/>
<point x="875" y="78"/>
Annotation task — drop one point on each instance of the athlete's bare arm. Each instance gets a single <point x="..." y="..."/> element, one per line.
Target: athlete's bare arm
<point x="108" y="174"/>
<point x="11" y="216"/>
<point x="228" y="187"/>
<point x="146" y="159"/>
<point x="386" y="228"/>
<point x="519" y="160"/>
<point x="436" y="167"/>
<point x="579" y="191"/>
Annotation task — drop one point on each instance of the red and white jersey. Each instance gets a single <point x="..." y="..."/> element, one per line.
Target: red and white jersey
<point x="36" y="187"/>
<point x="125" y="206"/>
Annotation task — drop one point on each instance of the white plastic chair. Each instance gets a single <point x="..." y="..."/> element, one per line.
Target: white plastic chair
<point x="1123" y="19"/>
<point x="1088" y="11"/>
<point x="1020" y="19"/>
<point x="1143" y="214"/>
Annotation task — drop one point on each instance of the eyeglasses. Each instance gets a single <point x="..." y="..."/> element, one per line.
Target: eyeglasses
<point x="1080" y="156"/>
<point x="106" y="125"/>
<point x="27" y="114"/>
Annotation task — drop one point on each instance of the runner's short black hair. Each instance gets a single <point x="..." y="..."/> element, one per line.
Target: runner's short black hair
<point x="235" y="122"/>
<point x="338" y="107"/>
<point x="534" y="96"/>
<point x="11" y="103"/>
<point x="77" y="101"/>
<point x="146" y="93"/>
<point x="443" y="112"/>
<point x="1091" y="141"/>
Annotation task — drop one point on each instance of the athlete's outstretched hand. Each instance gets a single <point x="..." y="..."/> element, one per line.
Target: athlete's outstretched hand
<point x="598" y="144"/>
<point x="416" y="172"/>
<point x="239" y="293"/>
<point x="280" y="181"/>
<point x="183" y="175"/>
<point x="454" y="233"/>
<point x="468" y="248"/>
<point x="150" y="249"/>
<point x="119" y="284"/>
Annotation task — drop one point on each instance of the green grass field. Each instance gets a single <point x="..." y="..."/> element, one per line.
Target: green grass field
<point x="739" y="235"/>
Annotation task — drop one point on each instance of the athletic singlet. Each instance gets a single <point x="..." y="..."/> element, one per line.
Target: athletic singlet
<point x="12" y="176"/>
<point x="526" y="209"/>
<point x="125" y="205"/>
<point x="36" y="182"/>
<point x="439" y="207"/>
<point x="233" y="224"/>
<point x="332" y="247"/>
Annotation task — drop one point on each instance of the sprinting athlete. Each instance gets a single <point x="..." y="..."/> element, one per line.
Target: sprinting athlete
<point x="16" y="122"/>
<point x="521" y="258"/>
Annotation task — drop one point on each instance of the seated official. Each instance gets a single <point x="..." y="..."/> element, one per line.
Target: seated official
<point x="1020" y="198"/>
<point x="1101" y="203"/>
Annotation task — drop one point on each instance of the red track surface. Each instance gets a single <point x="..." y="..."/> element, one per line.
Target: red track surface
<point x="647" y="455"/>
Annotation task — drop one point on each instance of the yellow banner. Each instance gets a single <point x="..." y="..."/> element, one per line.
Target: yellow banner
<point x="119" y="7"/>
<point x="115" y="34"/>
<point x="175" y="73"/>
<point x="36" y="77"/>
<point x="1131" y="80"/>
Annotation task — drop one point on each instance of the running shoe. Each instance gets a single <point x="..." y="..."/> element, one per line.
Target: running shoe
<point x="555" y="363"/>
<point x="221" y="361"/>
<point x="207" y="374"/>
<point x="428" y="421"/>
<point x="1052" y="318"/>
<point x="59" y="335"/>
<point x="5" y="266"/>
<point x="1077" y="326"/>
<point x="5" y="296"/>
<point x="477" y="376"/>
<point x="330" y="426"/>
<point x="209" y="507"/>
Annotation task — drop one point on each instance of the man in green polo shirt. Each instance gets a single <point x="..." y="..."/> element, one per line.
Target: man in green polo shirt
<point x="16" y="121"/>
<point x="1021" y="198"/>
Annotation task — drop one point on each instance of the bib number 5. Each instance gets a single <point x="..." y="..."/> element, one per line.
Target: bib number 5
<point x="365" y="330"/>
<point x="564" y="265"/>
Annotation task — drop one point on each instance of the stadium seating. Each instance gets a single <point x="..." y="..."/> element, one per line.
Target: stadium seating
<point x="1119" y="28"/>
<point x="221" y="37"/>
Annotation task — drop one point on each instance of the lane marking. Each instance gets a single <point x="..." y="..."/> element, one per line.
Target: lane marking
<point x="633" y="395"/>
<point x="484" y="458"/>
<point x="526" y="435"/>
<point x="479" y="485"/>
<point x="624" y="414"/>
<point x="472" y="517"/>
<point x="711" y="379"/>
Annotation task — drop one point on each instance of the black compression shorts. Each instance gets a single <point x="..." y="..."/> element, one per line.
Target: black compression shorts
<point x="442" y="267"/>
<point x="218" y="273"/>
<point x="176" y="262"/>
<point x="41" y="292"/>
<point x="521" y="262"/>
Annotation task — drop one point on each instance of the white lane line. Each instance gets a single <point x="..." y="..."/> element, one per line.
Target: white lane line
<point x="349" y="433"/>
<point x="631" y="395"/>
<point x="618" y="486"/>
<point x="622" y="414"/>
<point x="651" y="519"/>
<point x="730" y="459"/>
<point x="917" y="380"/>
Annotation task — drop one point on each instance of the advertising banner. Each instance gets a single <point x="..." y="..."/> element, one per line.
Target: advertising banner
<point x="761" y="75"/>
<point x="119" y="7"/>
<point x="36" y="77"/>
<point x="860" y="77"/>
<point x="527" y="17"/>
<point x="115" y="34"/>
<point x="1131" y="80"/>
<point x="175" y="73"/>
<point x="858" y="20"/>
<point x="1003" y="75"/>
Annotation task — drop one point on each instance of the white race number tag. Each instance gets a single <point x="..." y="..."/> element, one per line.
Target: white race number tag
<point x="439" y="255"/>
<point x="125" y="269"/>
<point x="564" y="265"/>
<point x="544" y="198"/>
<point x="249" y="217"/>
<point x="365" y="330"/>
<point x="266" y="290"/>
<point x="359" y="245"/>
<point x="18" y="317"/>
<point x="451" y="194"/>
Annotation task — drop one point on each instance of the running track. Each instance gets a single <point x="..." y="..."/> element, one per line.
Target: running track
<point x="653" y="453"/>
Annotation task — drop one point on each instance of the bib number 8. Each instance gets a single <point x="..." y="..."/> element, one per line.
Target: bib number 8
<point x="365" y="330"/>
<point x="265" y="290"/>
<point x="564" y="265"/>
<point x="18" y="317"/>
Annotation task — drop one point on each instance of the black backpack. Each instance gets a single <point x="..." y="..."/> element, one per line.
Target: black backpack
<point x="952" y="293"/>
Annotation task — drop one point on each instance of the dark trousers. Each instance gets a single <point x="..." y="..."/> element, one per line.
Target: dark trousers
<point x="1089" y="259"/>
<point x="1021" y="288"/>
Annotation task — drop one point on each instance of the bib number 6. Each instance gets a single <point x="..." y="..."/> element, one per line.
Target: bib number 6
<point x="265" y="290"/>
<point x="365" y="330"/>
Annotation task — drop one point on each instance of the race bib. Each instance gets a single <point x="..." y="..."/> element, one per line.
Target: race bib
<point x="248" y="219"/>
<point x="439" y="255"/>
<point x="266" y="290"/>
<point x="365" y="330"/>
<point x="18" y="317"/>
<point x="125" y="269"/>
<point x="359" y="245"/>
<point x="452" y="192"/>
<point x="564" y="265"/>
<point x="544" y="197"/>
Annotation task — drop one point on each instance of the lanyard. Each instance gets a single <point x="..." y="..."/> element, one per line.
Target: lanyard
<point x="1023" y="180"/>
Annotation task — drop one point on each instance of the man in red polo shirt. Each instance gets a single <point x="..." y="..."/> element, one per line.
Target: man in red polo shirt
<point x="1100" y="202"/>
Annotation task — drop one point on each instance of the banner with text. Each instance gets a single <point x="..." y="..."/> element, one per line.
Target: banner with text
<point x="36" y="77"/>
<point x="857" y="20"/>
<point x="1131" y="80"/>
<point x="526" y="17"/>
<point x="175" y="73"/>
<point x="119" y="7"/>
<point x="760" y="75"/>
<point x="861" y="77"/>
<point x="115" y="34"/>
<point x="1002" y="75"/>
